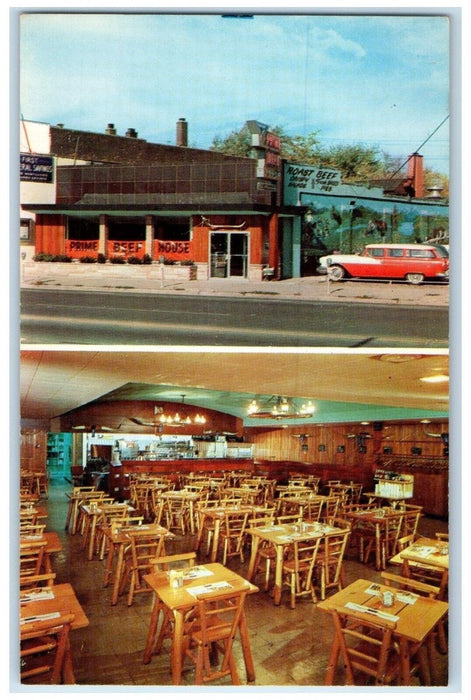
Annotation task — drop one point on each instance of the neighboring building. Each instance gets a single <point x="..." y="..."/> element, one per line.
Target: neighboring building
<point x="84" y="194"/>
<point x="346" y="217"/>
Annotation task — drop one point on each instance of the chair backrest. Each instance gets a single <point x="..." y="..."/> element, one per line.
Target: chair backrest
<point x="333" y="548"/>
<point x="288" y="519"/>
<point x="366" y="647"/>
<point x="331" y="507"/>
<point x="43" y="649"/>
<point x="444" y="536"/>
<point x="312" y="510"/>
<point x="410" y="584"/>
<point x="410" y="522"/>
<point x="169" y="561"/>
<point x="32" y="557"/>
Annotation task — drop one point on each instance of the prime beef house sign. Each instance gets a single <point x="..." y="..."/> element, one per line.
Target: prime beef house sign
<point x="36" y="168"/>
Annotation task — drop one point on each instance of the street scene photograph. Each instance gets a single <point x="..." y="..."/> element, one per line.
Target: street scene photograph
<point x="311" y="166"/>
<point x="234" y="445"/>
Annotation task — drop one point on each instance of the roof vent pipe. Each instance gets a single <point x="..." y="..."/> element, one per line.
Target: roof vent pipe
<point x="110" y="130"/>
<point x="132" y="133"/>
<point x="182" y="132"/>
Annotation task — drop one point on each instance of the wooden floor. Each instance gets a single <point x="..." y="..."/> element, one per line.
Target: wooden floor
<point x="290" y="647"/>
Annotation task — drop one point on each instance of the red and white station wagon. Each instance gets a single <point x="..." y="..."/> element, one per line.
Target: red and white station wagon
<point x="413" y="262"/>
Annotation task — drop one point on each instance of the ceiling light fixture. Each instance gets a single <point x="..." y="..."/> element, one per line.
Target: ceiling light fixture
<point x="175" y="420"/>
<point x="280" y="408"/>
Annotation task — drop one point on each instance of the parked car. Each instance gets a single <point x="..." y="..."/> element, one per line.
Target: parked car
<point x="411" y="261"/>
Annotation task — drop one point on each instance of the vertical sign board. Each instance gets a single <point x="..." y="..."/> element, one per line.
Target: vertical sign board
<point x="35" y="168"/>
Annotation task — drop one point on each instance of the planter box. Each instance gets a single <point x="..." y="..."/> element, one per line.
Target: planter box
<point x="31" y="271"/>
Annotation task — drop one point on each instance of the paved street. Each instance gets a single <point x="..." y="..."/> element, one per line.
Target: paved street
<point x="78" y="317"/>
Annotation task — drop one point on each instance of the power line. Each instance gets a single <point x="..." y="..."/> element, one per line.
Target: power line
<point x="421" y="145"/>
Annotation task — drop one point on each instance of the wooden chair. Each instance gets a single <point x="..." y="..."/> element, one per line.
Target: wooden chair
<point x="329" y="567"/>
<point x="389" y="532"/>
<point x="32" y="557"/>
<point x="232" y="535"/>
<point x="430" y="591"/>
<point x="367" y="649"/>
<point x="45" y="651"/>
<point x="331" y="507"/>
<point x="410" y="522"/>
<point x="116" y="511"/>
<point x="312" y="510"/>
<point x="213" y="631"/>
<point x="443" y="536"/>
<point x="154" y="641"/>
<point x="138" y="562"/>
<point x="298" y="568"/>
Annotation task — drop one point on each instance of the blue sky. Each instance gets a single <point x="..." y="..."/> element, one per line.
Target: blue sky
<point x="377" y="80"/>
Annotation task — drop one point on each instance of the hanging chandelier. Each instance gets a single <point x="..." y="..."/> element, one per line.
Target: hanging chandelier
<point x="280" y="407"/>
<point x="178" y="419"/>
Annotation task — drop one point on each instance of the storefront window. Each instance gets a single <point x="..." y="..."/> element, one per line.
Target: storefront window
<point x="172" y="229"/>
<point x="82" y="229"/>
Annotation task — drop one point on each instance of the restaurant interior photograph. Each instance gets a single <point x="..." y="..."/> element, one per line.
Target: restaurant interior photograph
<point x="234" y="517"/>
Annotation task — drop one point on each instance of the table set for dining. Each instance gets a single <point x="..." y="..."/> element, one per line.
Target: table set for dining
<point x="412" y="618"/>
<point x="180" y="591"/>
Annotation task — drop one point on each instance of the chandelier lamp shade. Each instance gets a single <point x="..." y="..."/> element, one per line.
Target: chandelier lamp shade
<point x="280" y="407"/>
<point x="178" y="419"/>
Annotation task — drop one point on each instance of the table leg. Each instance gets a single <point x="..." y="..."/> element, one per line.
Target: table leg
<point x="405" y="661"/>
<point x="177" y="647"/>
<point x="152" y="631"/>
<point x="378" y="548"/>
<point x="117" y="575"/>
<point x="91" y="534"/>
<point x="214" y="550"/>
<point x="199" y="534"/>
<point x="253" y="557"/>
<point x="247" y="651"/>
<point x="278" y="575"/>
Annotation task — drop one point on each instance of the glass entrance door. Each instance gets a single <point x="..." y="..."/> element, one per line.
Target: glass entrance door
<point x="229" y="254"/>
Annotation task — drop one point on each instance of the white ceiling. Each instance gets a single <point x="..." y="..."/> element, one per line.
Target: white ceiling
<point x="345" y="385"/>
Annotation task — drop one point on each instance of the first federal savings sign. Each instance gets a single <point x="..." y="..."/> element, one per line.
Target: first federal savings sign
<point x="36" y="168"/>
<point x="308" y="179"/>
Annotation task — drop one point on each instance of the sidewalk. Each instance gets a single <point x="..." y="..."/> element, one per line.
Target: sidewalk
<point x="305" y="288"/>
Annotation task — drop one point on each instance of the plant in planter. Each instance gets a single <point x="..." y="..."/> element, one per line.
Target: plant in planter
<point x="88" y="259"/>
<point x="187" y="263"/>
<point x="117" y="260"/>
<point x="134" y="260"/>
<point x="49" y="257"/>
<point x="101" y="259"/>
<point x="146" y="259"/>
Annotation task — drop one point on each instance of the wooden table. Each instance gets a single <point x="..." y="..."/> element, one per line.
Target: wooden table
<point x="179" y="601"/>
<point x="415" y="621"/>
<point x="64" y="602"/>
<point x="216" y="516"/>
<point x="281" y="536"/>
<point x="429" y="553"/>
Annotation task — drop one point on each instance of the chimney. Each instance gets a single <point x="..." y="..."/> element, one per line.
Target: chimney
<point x="110" y="130"/>
<point x="182" y="132"/>
<point x="416" y="173"/>
<point x="132" y="133"/>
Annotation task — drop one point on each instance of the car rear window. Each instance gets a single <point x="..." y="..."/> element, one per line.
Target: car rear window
<point x="418" y="253"/>
<point x="396" y="253"/>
